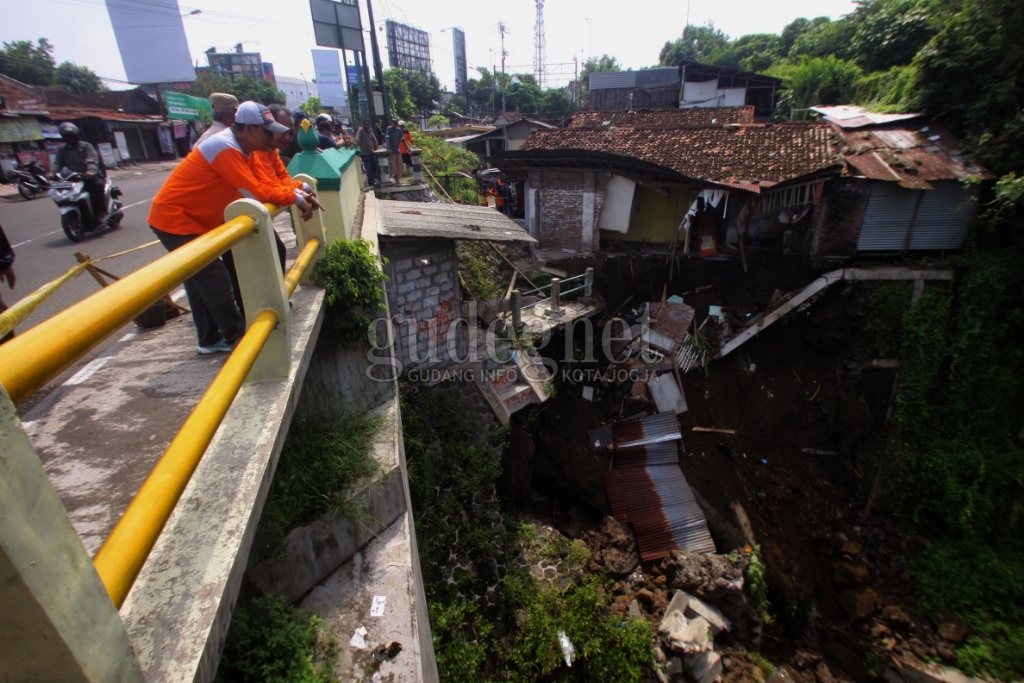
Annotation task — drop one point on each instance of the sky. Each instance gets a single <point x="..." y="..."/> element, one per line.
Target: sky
<point x="632" y="31"/>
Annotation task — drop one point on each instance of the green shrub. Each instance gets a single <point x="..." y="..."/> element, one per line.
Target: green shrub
<point x="352" y="281"/>
<point x="270" y="642"/>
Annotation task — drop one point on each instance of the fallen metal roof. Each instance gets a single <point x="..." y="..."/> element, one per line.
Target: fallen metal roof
<point x="647" y="430"/>
<point x="665" y="453"/>
<point x="851" y="116"/>
<point x="447" y="221"/>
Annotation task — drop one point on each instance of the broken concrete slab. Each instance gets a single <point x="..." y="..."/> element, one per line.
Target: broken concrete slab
<point x="704" y="667"/>
<point x="668" y="396"/>
<point x="685" y="636"/>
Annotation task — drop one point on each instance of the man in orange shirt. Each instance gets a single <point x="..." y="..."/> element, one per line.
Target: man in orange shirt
<point x="192" y="201"/>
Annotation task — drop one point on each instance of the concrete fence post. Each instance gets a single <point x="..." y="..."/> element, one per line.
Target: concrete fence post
<point x="417" y="170"/>
<point x="556" y="297"/>
<point x="306" y="230"/>
<point x="517" y="311"/>
<point x="588" y="292"/>
<point x="262" y="283"/>
<point x="59" y="623"/>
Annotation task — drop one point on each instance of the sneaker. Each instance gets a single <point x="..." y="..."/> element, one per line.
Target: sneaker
<point x="220" y="347"/>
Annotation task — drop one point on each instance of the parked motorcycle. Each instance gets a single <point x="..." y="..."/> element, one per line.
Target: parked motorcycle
<point x="76" y="215"/>
<point x="31" y="179"/>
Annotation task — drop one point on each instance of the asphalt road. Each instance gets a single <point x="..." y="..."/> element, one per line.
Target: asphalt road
<point x="43" y="252"/>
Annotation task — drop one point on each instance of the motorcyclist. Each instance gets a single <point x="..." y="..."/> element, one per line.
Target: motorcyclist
<point x="81" y="157"/>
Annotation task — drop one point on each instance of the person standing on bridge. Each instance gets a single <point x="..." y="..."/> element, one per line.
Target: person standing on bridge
<point x="192" y="202"/>
<point x="224" y="106"/>
<point x="6" y="273"/>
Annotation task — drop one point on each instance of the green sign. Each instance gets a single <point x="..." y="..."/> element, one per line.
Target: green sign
<point x="186" y="107"/>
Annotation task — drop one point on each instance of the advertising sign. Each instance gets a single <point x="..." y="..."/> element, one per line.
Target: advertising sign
<point x="106" y="151"/>
<point x="330" y="84"/>
<point x="185" y="107"/>
<point x="151" y="40"/>
<point x="122" y="144"/>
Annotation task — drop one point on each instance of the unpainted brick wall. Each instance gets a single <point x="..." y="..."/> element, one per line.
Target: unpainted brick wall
<point x="847" y="202"/>
<point x="425" y="301"/>
<point x="561" y="209"/>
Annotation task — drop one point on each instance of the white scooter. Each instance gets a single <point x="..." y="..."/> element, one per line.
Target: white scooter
<point x="76" y="214"/>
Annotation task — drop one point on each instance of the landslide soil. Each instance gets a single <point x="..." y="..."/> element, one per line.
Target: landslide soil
<point x="809" y="417"/>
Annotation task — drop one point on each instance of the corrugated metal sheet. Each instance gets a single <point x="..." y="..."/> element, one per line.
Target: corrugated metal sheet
<point x="647" y="430"/>
<point x="609" y="80"/>
<point x="665" y="453"/>
<point x="616" y="499"/>
<point x="673" y="319"/>
<point x="942" y="218"/>
<point x="849" y="116"/>
<point x="887" y="218"/>
<point x="661" y="76"/>
<point x="913" y="156"/>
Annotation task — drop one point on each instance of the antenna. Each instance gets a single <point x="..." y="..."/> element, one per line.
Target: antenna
<point x="538" y="44"/>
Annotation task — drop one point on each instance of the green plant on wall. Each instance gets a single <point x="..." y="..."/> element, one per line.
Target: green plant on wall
<point x="353" y="284"/>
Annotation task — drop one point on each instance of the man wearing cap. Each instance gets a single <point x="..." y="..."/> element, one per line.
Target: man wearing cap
<point x="192" y="201"/>
<point x="393" y="141"/>
<point x="367" y="142"/>
<point x="224" y="106"/>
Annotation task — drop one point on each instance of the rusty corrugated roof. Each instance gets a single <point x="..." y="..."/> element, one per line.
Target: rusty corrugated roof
<point x="671" y="319"/>
<point x="647" y="430"/>
<point x="664" y="453"/>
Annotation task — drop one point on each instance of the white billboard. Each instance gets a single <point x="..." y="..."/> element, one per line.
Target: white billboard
<point x="330" y="83"/>
<point x="151" y="40"/>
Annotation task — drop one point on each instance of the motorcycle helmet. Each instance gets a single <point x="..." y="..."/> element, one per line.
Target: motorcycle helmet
<point x="69" y="133"/>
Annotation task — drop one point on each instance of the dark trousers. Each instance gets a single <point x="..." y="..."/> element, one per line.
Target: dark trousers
<point x="94" y="186"/>
<point x="229" y="261"/>
<point x="210" y="296"/>
<point x="370" y="165"/>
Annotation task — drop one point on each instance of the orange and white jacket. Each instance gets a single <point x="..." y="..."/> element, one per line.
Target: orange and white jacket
<point x="215" y="173"/>
<point x="268" y="168"/>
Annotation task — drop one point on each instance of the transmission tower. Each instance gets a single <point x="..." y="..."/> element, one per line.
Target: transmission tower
<point x="538" y="43"/>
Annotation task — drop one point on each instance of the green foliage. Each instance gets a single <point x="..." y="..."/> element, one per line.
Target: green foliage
<point x="25" y="61"/>
<point x="888" y="302"/>
<point x="402" y="105"/>
<point x="447" y="166"/>
<point x="269" y="642"/>
<point x="697" y="44"/>
<point x="890" y="32"/>
<point x="248" y="88"/>
<point x="78" y="79"/>
<point x="312" y="107"/>
<point x="353" y="281"/>
<point x="753" y="52"/>
<point x="207" y="82"/>
<point x="814" y="81"/>
<point x="424" y="89"/>
<point x="482" y="271"/>
<point x="595" y="64"/>
<point x="824" y="38"/>
<point x="437" y="121"/>
<point x="757" y="584"/>
<point x="323" y="455"/>
<point x="463" y="642"/>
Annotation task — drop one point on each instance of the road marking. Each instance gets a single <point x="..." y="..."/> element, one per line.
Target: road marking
<point x="125" y="208"/>
<point x="47" y="234"/>
<point x="90" y="369"/>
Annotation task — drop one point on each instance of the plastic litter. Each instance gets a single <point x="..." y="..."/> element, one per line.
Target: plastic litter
<point x="567" y="648"/>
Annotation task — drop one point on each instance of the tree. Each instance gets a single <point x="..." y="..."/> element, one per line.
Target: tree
<point x="826" y="38"/>
<point x="595" y="65"/>
<point x="77" y="78"/>
<point x="248" y="88"/>
<point x="208" y="82"/>
<point x="752" y="52"/>
<point x="424" y="89"/>
<point x="555" y="104"/>
<point x="402" y="105"/>
<point x="695" y="45"/>
<point x="27" y="62"/>
<point x="815" y="81"/>
<point x="890" y="32"/>
<point x="311" y="106"/>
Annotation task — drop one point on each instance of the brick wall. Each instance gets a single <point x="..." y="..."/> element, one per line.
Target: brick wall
<point x="561" y="208"/>
<point x="840" y="229"/>
<point x="424" y="298"/>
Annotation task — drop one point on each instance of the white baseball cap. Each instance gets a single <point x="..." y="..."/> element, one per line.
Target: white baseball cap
<point x="255" y="114"/>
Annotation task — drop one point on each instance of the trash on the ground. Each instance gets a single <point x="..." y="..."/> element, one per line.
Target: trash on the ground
<point x="675" y="299"/>
<point x="588" y="393"/>
<point x="764" y="461"/>
<point x="752" y="368"/>
<point x="378" y="605"/>
<point x="668" y="396"/>
<point x="568" y="651"/>
<point x="381" y="653"/>
<point x="358" y="639"/>
<point x="717" y="313"/>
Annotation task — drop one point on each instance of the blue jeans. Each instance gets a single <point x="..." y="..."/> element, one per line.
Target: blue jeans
<point x="370" y="166"/>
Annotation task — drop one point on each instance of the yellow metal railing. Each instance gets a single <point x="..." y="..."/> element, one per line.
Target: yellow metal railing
<point x="31" y="359"/>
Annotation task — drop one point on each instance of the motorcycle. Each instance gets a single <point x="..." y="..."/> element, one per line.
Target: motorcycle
<point x="31" y="179"/>
<point x="76" y="215"/>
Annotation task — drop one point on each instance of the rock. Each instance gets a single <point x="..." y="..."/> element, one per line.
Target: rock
<point x="851" y="548"/>
<point x="783" y="674"/>
<point x="879" y="630"/>
<point x="705" y="667"/>
<point x="945" y="652"/>
<point x="675" y="667"/>
<point x="847" y="575"/>
<point x="620" y="605"/>
<point x="634" y="609"/>
<point x="685" y="636"/>
<point x="953" y="628"/>
<point x="894" y="614"/>
<point x="922" y="651"/>
<point x="645" y="596"/>
<point x="823" y="673"/>
<point x="859" y="603"/>
<point x="697" y="607"/>
<point x="614" y="548"/>
<point x="659" y="655"/>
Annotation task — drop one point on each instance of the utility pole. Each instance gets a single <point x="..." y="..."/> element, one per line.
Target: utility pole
<point x="504" y="118"/>
<point x="377" y="65"/>
<point x="575" y="83"/>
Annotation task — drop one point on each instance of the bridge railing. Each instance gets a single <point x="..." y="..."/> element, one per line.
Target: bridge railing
<point x="38" y="355"/>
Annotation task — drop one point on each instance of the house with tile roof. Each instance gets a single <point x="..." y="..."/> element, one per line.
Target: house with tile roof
<point x="655" y="178"/>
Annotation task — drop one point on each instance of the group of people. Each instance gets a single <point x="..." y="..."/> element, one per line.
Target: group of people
<point x="397" y="140"/>
<point x="240" y="156"/>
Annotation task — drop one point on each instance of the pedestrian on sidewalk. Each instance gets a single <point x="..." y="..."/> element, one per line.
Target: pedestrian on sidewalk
<point x="224" y="106"/>
<point x="393" y="140"/>
<point x="6" y="273"/>
<point x="368" y="143"/>
<point x="406" y="146"/>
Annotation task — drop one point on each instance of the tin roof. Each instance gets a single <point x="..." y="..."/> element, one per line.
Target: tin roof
<point x="747" y="157"/>
<point x="663" y="119"/>
<point x="603" y="80"/>
<point x="647" y="430"/>
<point x="447" y="221"/>
<point x="909" y="155"/>
<point x="852" y="116"/>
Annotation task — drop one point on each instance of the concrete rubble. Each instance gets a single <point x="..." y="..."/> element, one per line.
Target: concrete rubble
<point x="686" y="638"/>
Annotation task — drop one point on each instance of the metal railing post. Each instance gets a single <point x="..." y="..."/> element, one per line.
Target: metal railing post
<point x="311" y="229"/>
<point x="262" y="283"/>
<point x="588" y="293"/>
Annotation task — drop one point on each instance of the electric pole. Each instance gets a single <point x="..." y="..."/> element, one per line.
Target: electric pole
<point x="504" y="117"/>
<point x="377" y="66"/>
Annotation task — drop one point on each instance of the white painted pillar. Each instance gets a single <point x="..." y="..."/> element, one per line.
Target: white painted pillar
<point x="589" y="212"/>
<point x="306" y="230"/>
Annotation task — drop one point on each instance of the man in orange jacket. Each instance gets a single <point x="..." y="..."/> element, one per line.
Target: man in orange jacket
<point x="192" y="201"/>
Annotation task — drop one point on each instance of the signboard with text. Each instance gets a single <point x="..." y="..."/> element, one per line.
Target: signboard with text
<point x="330" y="84"/>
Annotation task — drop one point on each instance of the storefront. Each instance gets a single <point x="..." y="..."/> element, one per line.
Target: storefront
<point x="22" y="135"/>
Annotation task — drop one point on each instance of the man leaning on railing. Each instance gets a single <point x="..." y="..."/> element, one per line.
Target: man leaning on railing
<point x="192" y="202"/>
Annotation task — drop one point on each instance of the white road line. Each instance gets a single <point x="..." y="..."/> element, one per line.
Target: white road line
<point x="90" y="369"/>
<point x="125" y="208"/>
<point x="47" y="234"/>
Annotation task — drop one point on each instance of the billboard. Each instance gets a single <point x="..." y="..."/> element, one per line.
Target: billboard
<point x="461" y="70"/>
<point x="337" y="24"/>
<point x="408" y="47"/>
<point x="151" y="40"/>
<point x="186" y="107"/>
<point x="330" y="84"/>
